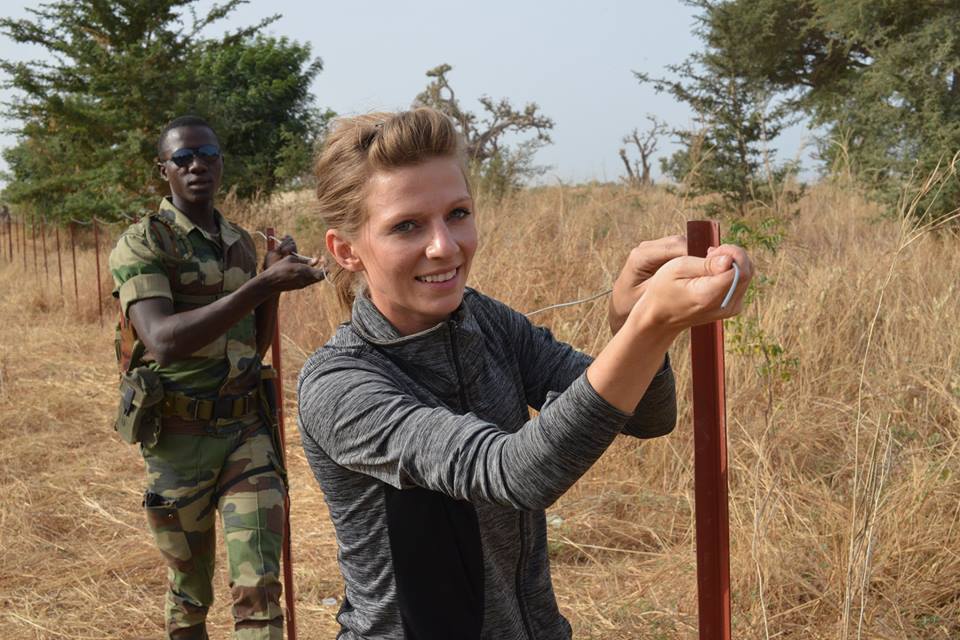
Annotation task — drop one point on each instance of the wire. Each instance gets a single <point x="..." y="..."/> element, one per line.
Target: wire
<point x="723" y="305"/>
<point x="294" y="253"/>
<point x="733" y="287"/>
<point x="570" y="304"/>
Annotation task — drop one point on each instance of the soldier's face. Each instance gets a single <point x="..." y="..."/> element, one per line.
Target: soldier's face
<point x="196" y="182"/>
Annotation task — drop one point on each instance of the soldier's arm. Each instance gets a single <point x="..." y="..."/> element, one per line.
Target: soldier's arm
<point x="170" y="336"/>
<point x="266" y="321"/>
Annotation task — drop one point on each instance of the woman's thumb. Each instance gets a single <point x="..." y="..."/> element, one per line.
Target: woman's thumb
<point x="717" y="264"/>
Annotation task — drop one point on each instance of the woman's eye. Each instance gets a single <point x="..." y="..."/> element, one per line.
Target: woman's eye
<point x="404" y="227"/>
<point x="460" y="212"/>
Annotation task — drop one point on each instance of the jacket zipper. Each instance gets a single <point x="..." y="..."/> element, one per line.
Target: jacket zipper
<point x="456" y="365"/>
<point x="520" y="561"/>
<point x="452" y="325"/>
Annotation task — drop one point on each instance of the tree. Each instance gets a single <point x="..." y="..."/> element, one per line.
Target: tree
<point x="499" y="166"/>
<point x="257" y="95"/>
<point x="638" y="173"/>
<point x="120" y="71"/>
<point x="737" y="114"/>
<point x="883" y="78"/>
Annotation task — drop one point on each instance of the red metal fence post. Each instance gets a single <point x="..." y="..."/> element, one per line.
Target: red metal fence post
<point x="73" y="253"/>
<point x="710" y="459"/>
<point x="59" y="261"/>
<point x="96" y="252"/>
<point x="286" y="552"/>
<point x="43" y="241"/>
<point x="33" y="230"/>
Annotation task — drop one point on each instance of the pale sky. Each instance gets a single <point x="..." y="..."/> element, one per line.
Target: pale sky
<point x="574" y="59"/>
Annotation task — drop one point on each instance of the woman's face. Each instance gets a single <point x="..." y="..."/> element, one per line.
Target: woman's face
<point x="417" y="243"/>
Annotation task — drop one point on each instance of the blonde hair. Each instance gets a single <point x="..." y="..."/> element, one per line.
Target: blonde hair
<point x="358" y="147"/>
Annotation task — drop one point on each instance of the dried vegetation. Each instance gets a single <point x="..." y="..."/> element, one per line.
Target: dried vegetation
<point x="844" y="485"/>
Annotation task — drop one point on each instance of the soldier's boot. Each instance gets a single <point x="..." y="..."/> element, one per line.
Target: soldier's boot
<point x="252" y="507"/>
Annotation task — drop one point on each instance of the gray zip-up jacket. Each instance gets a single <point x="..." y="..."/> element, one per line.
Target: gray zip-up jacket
<point x="437" y="478"/>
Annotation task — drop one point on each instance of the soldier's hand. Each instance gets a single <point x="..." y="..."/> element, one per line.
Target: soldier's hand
<point x="287" y="247"/>
<point x="293" y="272"/>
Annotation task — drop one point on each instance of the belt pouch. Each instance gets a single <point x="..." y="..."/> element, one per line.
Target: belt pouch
<point x="138" y="417"/>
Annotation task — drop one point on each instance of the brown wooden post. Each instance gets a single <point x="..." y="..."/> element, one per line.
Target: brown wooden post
<point x="59" y="260"/>
<point x="286" y="552"/>
<point x="10" y="236"/>
<point x="73" y="254"/>
<point x="96" y="252"/>
<point x="710" y="459"/>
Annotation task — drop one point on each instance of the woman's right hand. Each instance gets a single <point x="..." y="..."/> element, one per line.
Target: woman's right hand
<point x="688" y="291"/>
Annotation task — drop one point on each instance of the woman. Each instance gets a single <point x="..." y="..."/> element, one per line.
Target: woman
<point x="415" y="415"/>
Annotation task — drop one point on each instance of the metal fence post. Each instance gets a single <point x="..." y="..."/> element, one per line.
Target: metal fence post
<point x="286" y="552"/>
<point x="710" y="459"/>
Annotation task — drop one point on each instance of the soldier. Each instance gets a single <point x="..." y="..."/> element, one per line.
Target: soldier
<point x="196" y="319"/>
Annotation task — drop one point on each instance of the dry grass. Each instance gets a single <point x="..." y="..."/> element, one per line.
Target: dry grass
<point x="844" y="487"/>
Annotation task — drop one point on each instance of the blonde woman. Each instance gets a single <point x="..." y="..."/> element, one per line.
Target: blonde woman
<point x="415" y="415"/>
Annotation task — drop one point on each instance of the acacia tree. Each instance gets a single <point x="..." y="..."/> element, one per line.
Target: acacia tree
<point x="499" y="165"/>
<point x="89" y="119"/>
<point x="883" y="79"/>
<point x="638" y="173"/>
<point x="729" y="151"/>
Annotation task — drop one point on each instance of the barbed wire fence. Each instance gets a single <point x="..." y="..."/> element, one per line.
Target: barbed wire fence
<point x="31" y="240"/>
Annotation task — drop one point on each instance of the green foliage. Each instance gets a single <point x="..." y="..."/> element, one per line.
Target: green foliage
<point x="744" y="333"/>
<point x="256" y="94"/>
<point x="89" y="119"/>
<point x="747" y="338"/>
<point x="496" y="167"/>
<point x="729" y="153"/>
<point x="883" y="78"/>
<point x="767" y="234"/>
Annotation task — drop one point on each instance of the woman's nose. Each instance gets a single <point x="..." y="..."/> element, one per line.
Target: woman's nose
<point x="442" y="243"/>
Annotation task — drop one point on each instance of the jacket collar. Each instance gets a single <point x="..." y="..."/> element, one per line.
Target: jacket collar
<point x="228" y="232"/>
<point x="435" y="352"/>
<point x="373" y="327"/>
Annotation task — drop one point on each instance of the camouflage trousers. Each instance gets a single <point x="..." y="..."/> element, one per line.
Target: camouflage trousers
<point x="190" y="478"/>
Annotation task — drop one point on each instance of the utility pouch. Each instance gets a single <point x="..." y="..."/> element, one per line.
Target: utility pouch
<point x="138" y="417"/>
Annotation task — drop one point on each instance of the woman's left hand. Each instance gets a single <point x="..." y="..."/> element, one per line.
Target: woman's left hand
<point x="643" y="262"/>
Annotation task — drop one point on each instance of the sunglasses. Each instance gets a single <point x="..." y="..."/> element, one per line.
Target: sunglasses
<point x="207" y="153"/>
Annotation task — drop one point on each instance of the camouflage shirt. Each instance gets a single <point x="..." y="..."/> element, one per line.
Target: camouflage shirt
<point x="167" y="256"/>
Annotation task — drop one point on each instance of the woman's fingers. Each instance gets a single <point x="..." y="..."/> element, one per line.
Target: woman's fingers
<point x="703" y="284"/>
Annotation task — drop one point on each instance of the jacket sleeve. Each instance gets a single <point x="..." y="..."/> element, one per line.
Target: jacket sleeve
<point x="549" y="366"/>
<point x="365" y="422"/>
<point x="138" y="272"/>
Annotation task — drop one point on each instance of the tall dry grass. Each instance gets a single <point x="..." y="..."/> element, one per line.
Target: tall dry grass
<point x="844" y="489"/>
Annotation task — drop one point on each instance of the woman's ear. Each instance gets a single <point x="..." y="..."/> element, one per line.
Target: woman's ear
<point x="342" y="251"/>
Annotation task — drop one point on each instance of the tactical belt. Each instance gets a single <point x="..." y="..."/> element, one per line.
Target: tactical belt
<point x="182" y="406"/>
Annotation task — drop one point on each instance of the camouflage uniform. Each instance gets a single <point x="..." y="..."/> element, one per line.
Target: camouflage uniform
<point x="198" y="467"/>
